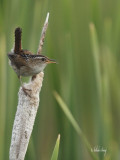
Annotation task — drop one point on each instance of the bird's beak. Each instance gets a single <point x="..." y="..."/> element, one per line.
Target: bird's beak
<point x="50" y="61"/>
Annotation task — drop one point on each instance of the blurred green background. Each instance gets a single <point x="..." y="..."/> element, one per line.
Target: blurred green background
<point x="84" y="37"/>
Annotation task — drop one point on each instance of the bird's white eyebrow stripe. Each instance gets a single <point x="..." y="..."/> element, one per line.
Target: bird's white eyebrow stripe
<point x="32" y="56"/>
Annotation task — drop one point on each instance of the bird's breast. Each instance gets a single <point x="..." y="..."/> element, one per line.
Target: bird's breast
<point x="31" y="70"/>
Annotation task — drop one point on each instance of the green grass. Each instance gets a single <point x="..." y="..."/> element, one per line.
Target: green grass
<point x="83" y="37"/>
<point x="56" y="149"/>
<point x="74" y="124"/>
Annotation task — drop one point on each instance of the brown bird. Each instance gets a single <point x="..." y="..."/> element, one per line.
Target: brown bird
<point x="23" y="62"/>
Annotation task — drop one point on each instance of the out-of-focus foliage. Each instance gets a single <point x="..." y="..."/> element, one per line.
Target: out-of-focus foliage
<point x="56" y="149"/>
<point x="83" y="36"/>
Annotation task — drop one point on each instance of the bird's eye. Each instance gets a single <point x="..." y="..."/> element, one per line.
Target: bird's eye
<point x="43" y="59"/>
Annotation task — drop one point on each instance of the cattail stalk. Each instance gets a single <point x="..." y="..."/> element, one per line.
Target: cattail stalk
<point x="26" y="111"/>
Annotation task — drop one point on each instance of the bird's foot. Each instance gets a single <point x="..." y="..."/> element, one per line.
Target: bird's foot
<point x="27" y="91"/>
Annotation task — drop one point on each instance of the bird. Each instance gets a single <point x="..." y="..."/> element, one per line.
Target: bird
<point x="24" y="62"/>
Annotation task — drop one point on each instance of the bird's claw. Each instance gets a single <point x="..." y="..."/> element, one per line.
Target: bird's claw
<point x="27" y="91"/>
